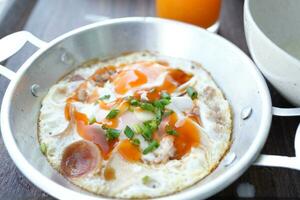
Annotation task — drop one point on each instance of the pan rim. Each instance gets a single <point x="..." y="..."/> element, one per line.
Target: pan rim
<point x="61" y="192"/>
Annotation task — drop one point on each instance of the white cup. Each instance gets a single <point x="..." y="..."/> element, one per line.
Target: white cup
<point x="272" y="30"/>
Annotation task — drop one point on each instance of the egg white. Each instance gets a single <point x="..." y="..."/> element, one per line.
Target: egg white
<point x="166" y="177"/>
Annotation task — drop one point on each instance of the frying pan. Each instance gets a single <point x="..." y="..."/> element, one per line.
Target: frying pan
<point x="234" y="72"/>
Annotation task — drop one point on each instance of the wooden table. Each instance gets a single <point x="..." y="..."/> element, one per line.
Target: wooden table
<point x="48" y="19"/>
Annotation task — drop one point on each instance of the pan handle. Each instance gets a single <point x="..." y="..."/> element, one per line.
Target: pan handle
<point x="11" y="44"/>
<point x="283" y="161"/>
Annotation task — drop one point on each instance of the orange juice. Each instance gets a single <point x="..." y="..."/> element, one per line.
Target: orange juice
<point x="203" y="13"/>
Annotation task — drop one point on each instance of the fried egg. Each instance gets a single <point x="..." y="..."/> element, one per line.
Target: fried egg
<point x="140" y="125"/>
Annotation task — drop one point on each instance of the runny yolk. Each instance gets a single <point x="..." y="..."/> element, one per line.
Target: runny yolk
<point x="187" y="136"/>
<point x="129" y="151"/>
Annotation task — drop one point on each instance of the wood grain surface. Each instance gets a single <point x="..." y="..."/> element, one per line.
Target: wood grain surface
<point x="48" y="19"/>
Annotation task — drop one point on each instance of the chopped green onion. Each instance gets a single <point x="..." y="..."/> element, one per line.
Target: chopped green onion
<point x="129" y="132"/>
<point x="170" y="131"/>
<point x="105" y="97"/>
<point x="43" y="148"/>
<point x="152" y="146"/>
<point x="112" y="114"/>
<point x="161" y="103"/>
<point x="92" y="120"/>
<point x="147" y="132"/>
<point x="135" y="141"/>
<point x="165" y="95"/>
<point x="158" y="114"/>
<point x="164" y="102"/>
<point x="192" y="93"/>
<point x="112" y="133"/>
<point x="138" y="128"/>
<point x="158" y="104"/>
<point x="134" y="102"/>
<point x="144" y="130"/>
<point x="147" y="106"/>
<point x="146" y="180"/>
<point x="152" y="124"/>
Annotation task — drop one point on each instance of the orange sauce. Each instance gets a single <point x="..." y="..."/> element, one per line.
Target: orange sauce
<point x="132" y="76"/>
<point x="109" y="174"/>
<point x="194" y="117"/>
<point x="136" y="75"/>
<point x="111" y="123"/>
<point x="174" y="78"/>
<point x="179" y="76"/>
<point x="203" y="13"/>
<point x="129" y="151"/>
<point x="93" y="97"/>
<point x="187" y="136"/>
<point x="128" y="79"/>
<point x="68" y="109"/>
<point x="111" y="145"/>
<point x="71" y="99"/>
<point x="94" y="134"/>
<point x="106" y="106"/>
<point x="102" y="71"/>
<point x="81" y="117"/>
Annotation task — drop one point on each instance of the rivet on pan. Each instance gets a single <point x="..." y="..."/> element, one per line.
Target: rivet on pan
<point x="35" y="90"/>
<point x="66" y="58"/>
<point x="229" y="159"/>
<point x="246" y="113"/>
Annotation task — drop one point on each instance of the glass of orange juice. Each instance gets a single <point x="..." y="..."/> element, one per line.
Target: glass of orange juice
<point x="204" y="13"/>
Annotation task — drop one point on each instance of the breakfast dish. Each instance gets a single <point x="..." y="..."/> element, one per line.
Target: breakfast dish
<point x="139" y="125"/>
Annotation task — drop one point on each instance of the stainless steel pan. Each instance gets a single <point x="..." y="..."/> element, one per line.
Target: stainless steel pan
<point x="233" y="71"/>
